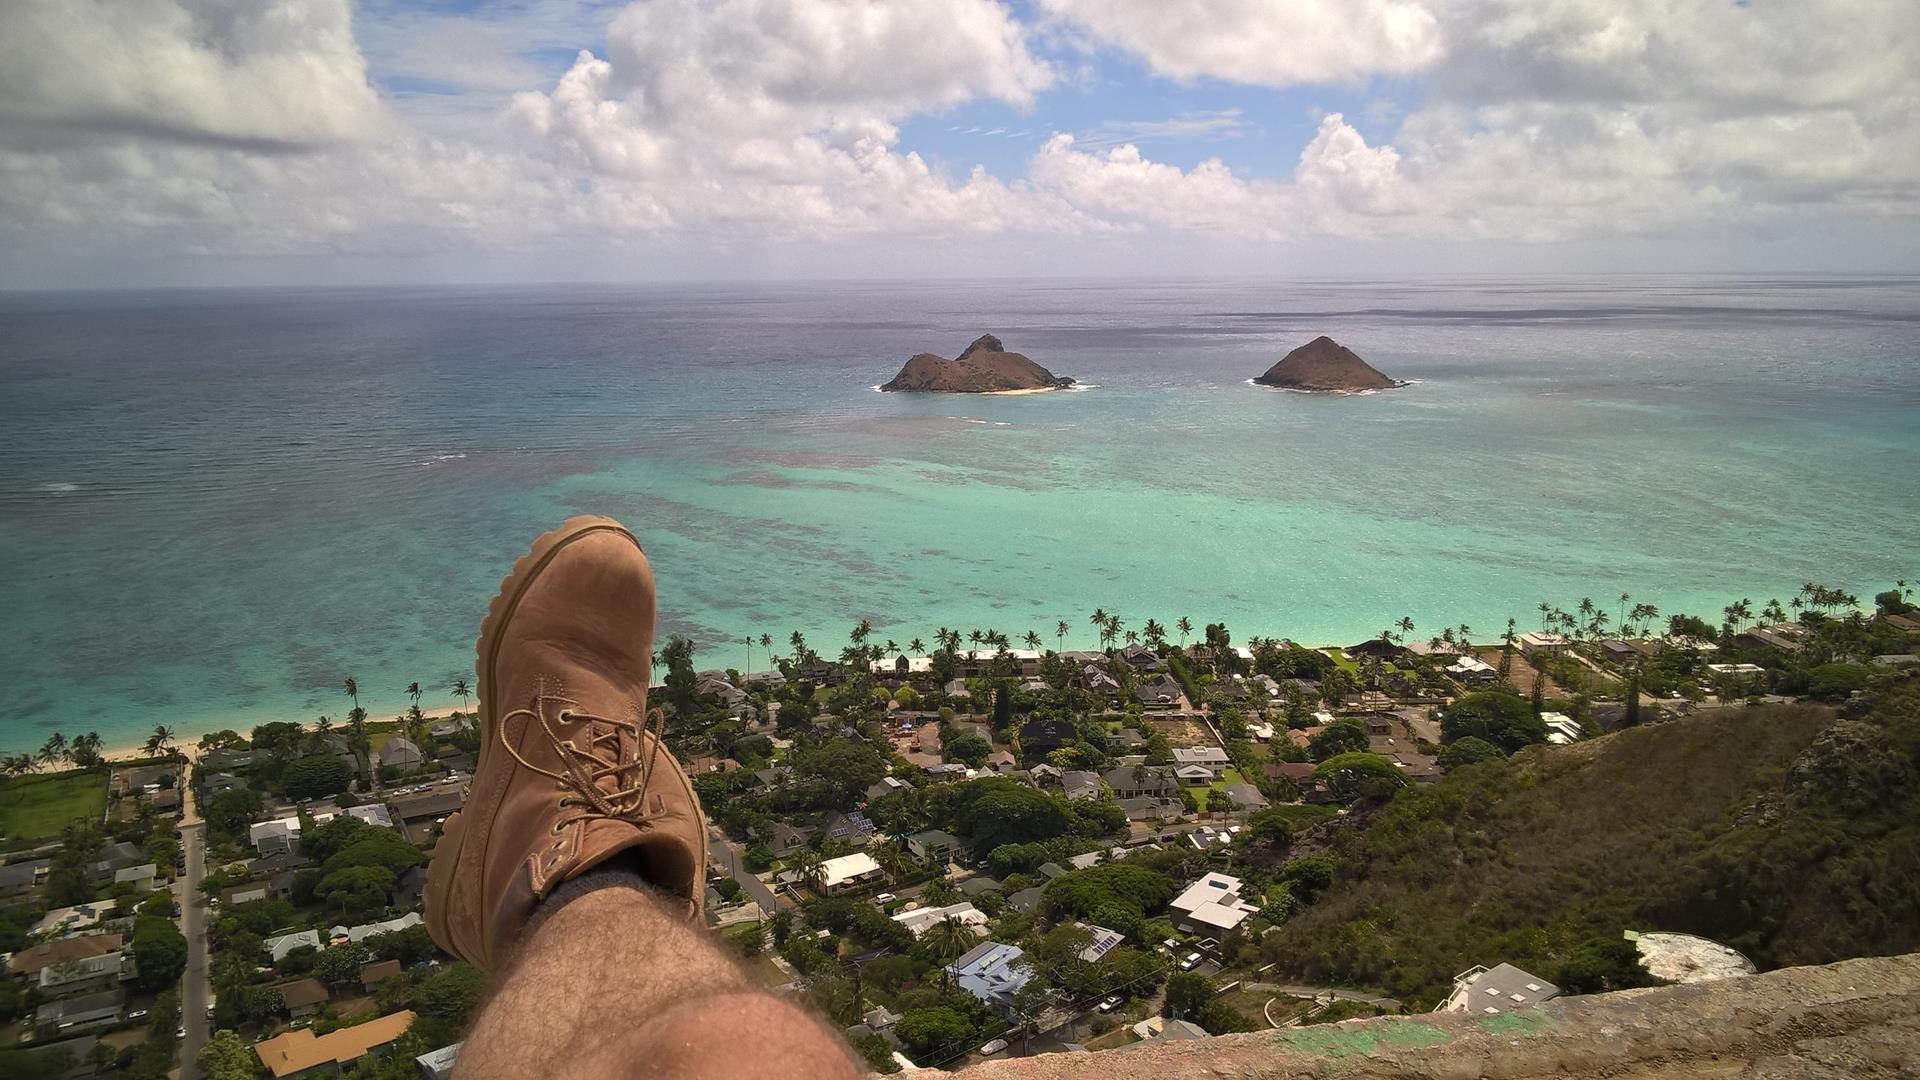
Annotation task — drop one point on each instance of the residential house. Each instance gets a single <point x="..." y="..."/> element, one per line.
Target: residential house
<point x="226" y="760"/>
<point x="83" y="1012"/>
<point x="849" y="872"/>
<point x="1161" y="693"/>
<point x="1245" y="797"/>
<point x="411" y="919"/>
<point x="1195" y="775"/>
<point x="979" y="885"/>
<point x="1026" y="900"/>
<point x="401" y="754"/>
<point x="1126" y="739"/>
<point x="1212" y="757"/>
<point x="438" y="1064"/>
<point x="88" y="975"/>
<point x="1037" y="737"/>
<point x="1785" y="636"/>
<point x="222" y="782"/>
<point x="166" y="800"/>
<point x="448" y="727"/>
<point x="784" y="839"/>
<point x="1045" y="775"/>
<point x="993" y="972"/>
<point x="1384" y="651"/>
<point x="303" y="997"/>
<point x="69" y="919"/>
<point x="1142" y="658"/>
<point x="1211" y="905"/>
<point x="1051" y="870"/>
<point x="1472" y="669"/>
<point x="113" y="858"/>
<point x="1561" y="728"/>
<point x="919" y="920"/>
<point x="1543" y="643"/>
<point x="139" y="877"/>
<point x="1141" y="780"/>
<point x="1095" y="679"/>
<point x="886" y="786"/>
<point x="1002" y="762"/>
<point x="956" y="688"/>
<point x="377" y="972"/>
<point x="1492" y="991"/>
<point x="1104" y="941"/>
<point x="301" y="1053"/>
<point x="1152" y="808"/>
<point x="1415" y="766"/>
<point x="1080" y="784"/>
<point x="933" y="847"/>
<point x="19" y="877"/>
<point x="1619" y="651"/>
<point x="31" y="959"/>
<point x="851" y="828"/>
<point x="279" y="836"/>
<point x="1297" y="771"/>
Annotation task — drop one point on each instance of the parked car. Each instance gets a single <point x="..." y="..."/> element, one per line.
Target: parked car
<point x="993" y="1047"/>
<point x="884" y="898"/>
<point x="1192" y="961"/>
<point x="137" y="1014"/>
<point x="1110" y="1002"/>
<point x="180" y="1032"/>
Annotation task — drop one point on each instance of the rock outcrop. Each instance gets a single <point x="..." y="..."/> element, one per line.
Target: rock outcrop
<point x="1854" y="1020"/>
<point x="986" y="367"/>
<point x="1327" y="366"/>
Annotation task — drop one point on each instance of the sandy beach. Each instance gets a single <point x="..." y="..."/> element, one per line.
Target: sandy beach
<point x="188" y="741"/>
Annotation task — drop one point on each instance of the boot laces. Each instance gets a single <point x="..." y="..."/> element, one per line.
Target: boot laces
<point x="603" y="756"/>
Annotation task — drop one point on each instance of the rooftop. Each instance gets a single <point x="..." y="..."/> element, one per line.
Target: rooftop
<point x="298" y="1051"/>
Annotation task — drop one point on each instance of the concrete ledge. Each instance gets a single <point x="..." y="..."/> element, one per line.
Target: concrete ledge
<point x="1859" y="1019"/>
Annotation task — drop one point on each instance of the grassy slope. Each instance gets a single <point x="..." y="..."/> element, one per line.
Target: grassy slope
<point x="36" y="807"/>
<point x="1535" y="860"/>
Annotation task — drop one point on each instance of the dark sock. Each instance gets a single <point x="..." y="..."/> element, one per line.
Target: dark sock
<point x="618" y="873"/>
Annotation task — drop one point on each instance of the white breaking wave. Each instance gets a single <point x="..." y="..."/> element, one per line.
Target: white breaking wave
<point x="60" y="488"/>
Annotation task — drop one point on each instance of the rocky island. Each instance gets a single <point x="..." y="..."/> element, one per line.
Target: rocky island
<point x="986" y="367"/>
<point x="1324" y="365"/>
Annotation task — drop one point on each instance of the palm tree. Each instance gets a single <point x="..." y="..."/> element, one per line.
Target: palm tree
<point x="1033" y="641"/>
<point x="1099" y="621"/>
<point x="53" y="750"/>
<point x="1156" y="635"/>
<point x="948" y="940"/>
<point x="1185" y="626"/>
<point x="1546" y="615"/>
<point x="1773" y="612"/>
<point x="917" y="647"/>
<point x="748" y="642"/>
<point x="353" y="690"/>
<point x="1060" y="635"/>
<point x="805" y="865"/>
<point x="892" y="858"/>
<point x="1624" y="597"/>
<point x="413" y="691"/>
<point x="161" y="737"/>
<point x="766" y="642"/>
<point x="1405" y="624"/>
<point x="799" y="642"/>
<point x="462" y="691"/>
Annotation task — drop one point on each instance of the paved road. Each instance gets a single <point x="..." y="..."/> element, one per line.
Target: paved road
<point x="724" y="853"/>
<point x="194" y="986"/>
<point x="1390" y="1004"/>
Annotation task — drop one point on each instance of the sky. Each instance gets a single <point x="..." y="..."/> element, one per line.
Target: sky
<point x="205" y="142"/>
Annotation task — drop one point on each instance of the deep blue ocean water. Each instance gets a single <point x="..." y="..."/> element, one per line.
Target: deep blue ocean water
<point x="214" y="506"/>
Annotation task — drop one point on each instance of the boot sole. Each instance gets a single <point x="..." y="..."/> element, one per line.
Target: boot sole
<point x="448" y="855"/>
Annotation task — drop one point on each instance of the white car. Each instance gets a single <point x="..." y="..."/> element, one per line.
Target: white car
<point x="1110" y="1002"/>
<point x="884" y="898"/>
<point x="993" y="1047"/>
<point x="1192" y="961"/>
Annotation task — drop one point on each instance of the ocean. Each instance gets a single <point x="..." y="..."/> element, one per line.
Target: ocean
<point x="217" y="505"/>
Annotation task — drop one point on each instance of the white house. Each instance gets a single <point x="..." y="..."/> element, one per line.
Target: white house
<point x="1211" y="905"/>
<point x="848" y="871"/>
<point x="1212" y="757"/>
<point x="1536" y="642"/>
<point x="920" y="920"/>
<point x="1490" y="992"/>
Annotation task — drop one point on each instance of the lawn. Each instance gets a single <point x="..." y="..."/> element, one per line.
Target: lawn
<point x="37" y="807"/>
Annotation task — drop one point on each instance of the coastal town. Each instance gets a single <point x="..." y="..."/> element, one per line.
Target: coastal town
<point x="961" y="848"/>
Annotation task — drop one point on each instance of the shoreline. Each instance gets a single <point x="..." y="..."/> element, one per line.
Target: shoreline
<point x="187" y="740"/>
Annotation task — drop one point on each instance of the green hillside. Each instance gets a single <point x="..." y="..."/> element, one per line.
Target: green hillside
<point x="1791" y="833"/>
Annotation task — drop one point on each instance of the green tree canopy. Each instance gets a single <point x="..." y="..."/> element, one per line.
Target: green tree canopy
<point x="1339" y="737"/>
<point x="1503" y="719"/>
<point x="160" y="952"/>
<point x="1470" y="750"/>
<point x="316" y="777"/>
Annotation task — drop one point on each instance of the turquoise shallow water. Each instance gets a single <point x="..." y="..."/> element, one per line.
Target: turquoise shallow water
<point x="215" y="506"/>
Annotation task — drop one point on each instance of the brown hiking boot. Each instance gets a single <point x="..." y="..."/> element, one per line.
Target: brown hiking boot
<point x="572" y="772"/>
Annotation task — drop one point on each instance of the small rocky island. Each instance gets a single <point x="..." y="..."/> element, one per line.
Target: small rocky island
<point x="986" y="367"/>
<point x="1324" y="365"/>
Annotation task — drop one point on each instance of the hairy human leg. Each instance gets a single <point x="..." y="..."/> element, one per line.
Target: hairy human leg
<point x="612" y="981"/>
